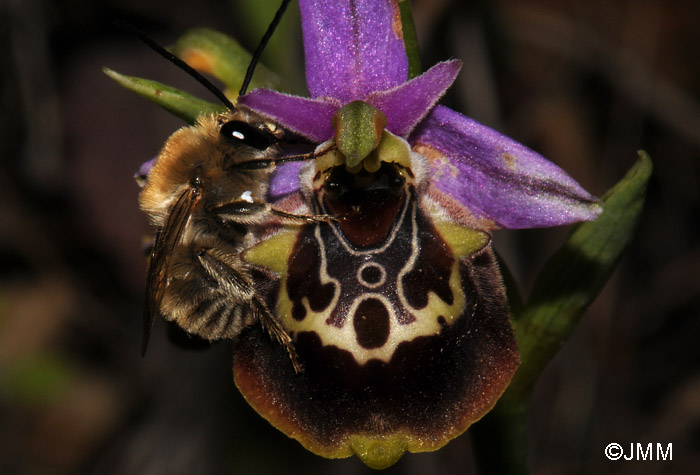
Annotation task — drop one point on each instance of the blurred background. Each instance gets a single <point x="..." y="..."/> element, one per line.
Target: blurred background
<point x="587" y="84"/>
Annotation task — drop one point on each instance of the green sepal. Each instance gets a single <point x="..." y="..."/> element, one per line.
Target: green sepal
<point x="574" y="276"/>
<point x="223" y="57"/>
<point x="180" y="103"/>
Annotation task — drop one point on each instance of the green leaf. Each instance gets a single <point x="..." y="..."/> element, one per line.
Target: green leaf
<point x="180" y="103"/>
<point x="575" y="275"/>
<point x="215" y="53"/>
<point x="410" y="39"/>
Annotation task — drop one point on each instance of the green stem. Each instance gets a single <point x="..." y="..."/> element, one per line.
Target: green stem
<point x="410" y="39"/>
<point x="499" y="440"/>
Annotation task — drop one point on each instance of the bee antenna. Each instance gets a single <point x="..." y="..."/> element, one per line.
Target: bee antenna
<point x="176" y="61"/>
<point x="261" y="46"/>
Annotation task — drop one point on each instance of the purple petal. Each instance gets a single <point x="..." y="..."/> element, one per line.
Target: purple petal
<point x="405" y="105"/>
<point x="308" y="117"/>
<point x="284" y="180"/>
<point x="497" y="178"/>
<point x="352" y="47"/>
<point x="142" y="174"/>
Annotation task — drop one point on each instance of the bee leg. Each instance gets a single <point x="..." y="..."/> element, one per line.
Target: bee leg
<point x="273" y="327"/>
<point x="255" y="212"/>
<point x="309" y="218"/>
<point x="263" y="163"/>
<point x="235" y="285"/>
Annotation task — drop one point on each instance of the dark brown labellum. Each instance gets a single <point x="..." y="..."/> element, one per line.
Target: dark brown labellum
<point x="399" y="317"/>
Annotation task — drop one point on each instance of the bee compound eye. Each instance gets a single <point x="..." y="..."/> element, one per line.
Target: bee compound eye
<point x="246" y="134"/>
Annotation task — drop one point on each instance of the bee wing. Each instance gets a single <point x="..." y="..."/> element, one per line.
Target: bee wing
<point x="166" y="239"/>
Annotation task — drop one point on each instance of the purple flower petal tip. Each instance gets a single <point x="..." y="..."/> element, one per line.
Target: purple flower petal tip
<point x="308" y="117"/>
<point x="497" y="178"/>
<point x="424" y="91"/>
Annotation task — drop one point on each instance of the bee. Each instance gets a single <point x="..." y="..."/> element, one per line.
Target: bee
<point x="204" y="194"/>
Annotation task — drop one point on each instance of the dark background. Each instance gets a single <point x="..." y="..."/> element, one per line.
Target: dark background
<point x="585" y="83"/>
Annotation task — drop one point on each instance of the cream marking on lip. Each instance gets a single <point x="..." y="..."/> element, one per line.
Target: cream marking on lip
<point x="389" y="241"/>
<point x="411" y="263"/>
<point x="369" y="266"/>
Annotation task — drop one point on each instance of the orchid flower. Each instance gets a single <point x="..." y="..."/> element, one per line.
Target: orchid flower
<point x="439" y="379"/>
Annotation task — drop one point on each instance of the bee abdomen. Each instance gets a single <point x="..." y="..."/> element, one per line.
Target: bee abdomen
<point x="209" y="295"/>
<point x="218" y="317"/>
